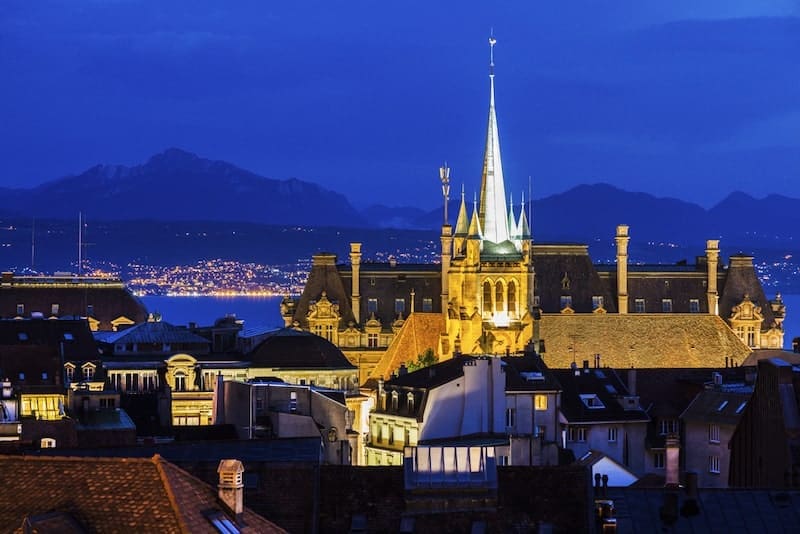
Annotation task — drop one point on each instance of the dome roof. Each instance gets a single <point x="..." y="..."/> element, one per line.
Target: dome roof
<point x="289" y="348"/>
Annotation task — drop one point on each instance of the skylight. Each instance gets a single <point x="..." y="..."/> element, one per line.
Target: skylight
<point x="592" y="401"/>
<point x="722" y="406"/>
<point x="741" y="407"/>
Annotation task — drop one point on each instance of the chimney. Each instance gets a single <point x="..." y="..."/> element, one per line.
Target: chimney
<point x="585" y="366"/>
<point x="717" y="379"/>
<point x="622" y="240"/>
<point x="231" y="487"/>
<point x="355" y="296"/>
<point x="672" y="461"/>
<point x="632" y="381"/>
<point x="403" y="370"/>
<point x="712" y="260"/>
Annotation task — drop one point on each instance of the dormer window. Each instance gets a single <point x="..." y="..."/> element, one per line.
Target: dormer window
<point x="395" y="401"/>
<point x="592" y="401"/>
<point x="88" y="372"/>
<point x="410" y="402"/>
<point x="69" y="371"/>
<point x="54" y="308"/>
<point x="22" y="336"/>
<point x="20" y="309"/>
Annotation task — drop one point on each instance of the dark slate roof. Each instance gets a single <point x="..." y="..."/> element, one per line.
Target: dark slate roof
<point x="71" y="336"/>
<point x="112" y="494"/>
<point x="608" y="388"/>
<point x="31" y="362"/>
<point x="734" y="511"/>
<point x="289" y="348"/>
<point x="717" y="406"/>
<point x="375" y="267"/>
<point x="553" y="264"/>
<point x="109" y="298"/>
<point x="741" y="279"/>
<point x="528" y="372"/>
<point x="324" y="277"/>
<point x="152" y="332"/>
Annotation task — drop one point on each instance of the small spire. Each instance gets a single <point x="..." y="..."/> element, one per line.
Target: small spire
<point x="523" y="230"/>
<point x="462" y="224"/>
<point x="475" y="224"/>
<point x="512" y="223"/>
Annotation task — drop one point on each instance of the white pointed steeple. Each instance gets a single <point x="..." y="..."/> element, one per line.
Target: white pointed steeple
<point x="492" y="213"/>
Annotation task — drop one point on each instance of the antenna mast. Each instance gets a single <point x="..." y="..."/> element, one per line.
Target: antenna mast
<point x="80" y="242"/>
<point x="33" y="244"/>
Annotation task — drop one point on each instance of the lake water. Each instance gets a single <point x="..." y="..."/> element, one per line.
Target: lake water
<point x="265" y="311"/>
<point x="256" y="311"/>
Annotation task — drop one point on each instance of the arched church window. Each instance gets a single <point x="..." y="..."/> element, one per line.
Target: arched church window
<point x="487" y="297"/>
<point x="512" y="297"/>
<point x="499" y="296"/>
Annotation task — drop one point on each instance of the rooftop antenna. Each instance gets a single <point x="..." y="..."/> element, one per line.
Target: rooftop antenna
<point x="33" y="244"/>
<point x="530" y="207"/>
<point x="444" y="176"/>
<point x="80" y="242"/>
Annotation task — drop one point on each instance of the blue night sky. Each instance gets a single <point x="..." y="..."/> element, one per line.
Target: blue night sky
<point x="684" y="98"/>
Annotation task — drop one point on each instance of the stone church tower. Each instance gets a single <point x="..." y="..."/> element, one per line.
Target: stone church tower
<point x="487" y="268"/>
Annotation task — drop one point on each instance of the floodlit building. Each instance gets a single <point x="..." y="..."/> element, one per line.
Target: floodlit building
<point x="495" y="290"/>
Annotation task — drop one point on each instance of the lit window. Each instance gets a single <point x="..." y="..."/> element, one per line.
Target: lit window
<point x="612" y="433"/>
<point x="180" y="381"/>
<point x="88" y="372"/>
<point x="638" y="306"/>
<point x="54" y="309"/>
<point x="509" y="417"/>
<point x="372" y="341"/>
<point x="372" y="305"/>
<point x="597" y="302"/>
<point x="694" y="306"/>
<point x="395" y="400"/>
<point x="666" y="305"/>
<point x="713" y="433"/>
<point x="399" y="305"/>
<point x="540" y="402"/>
<point x="713" y="464"/>
<point x="658" y="459"/>
<point x="427" y="305"/>
<point x="293" y="401"/>
<point x="47" y="443"/>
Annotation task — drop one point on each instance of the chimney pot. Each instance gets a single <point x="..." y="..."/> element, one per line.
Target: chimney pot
<point x="231" y="486"/>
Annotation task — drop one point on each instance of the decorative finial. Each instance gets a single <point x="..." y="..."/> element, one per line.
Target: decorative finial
<point x="492" y="42"/>
<point x="444" y="176"/>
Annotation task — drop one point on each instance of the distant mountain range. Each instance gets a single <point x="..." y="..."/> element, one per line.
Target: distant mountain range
<point x="176" y="185"/>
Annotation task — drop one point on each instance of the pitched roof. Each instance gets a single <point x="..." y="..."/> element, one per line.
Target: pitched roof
<point x="607" y="392"/>
<point x="324" y="277"/>
<point x="717" y="406"/>
<point x="419" y="332"/>
<point x="741" y="279"/>
<point x="71" y="336"/>
<point x="640" y="340"/>
<point x="112" y="494"/>
<point x="288" y="348"/>
<point x="152" y="332"/>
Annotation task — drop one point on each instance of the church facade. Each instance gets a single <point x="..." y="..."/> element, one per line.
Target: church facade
<point x="495" y="290"/>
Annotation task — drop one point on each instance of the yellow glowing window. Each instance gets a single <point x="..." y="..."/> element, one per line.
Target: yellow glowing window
<point x="540" y="402"/>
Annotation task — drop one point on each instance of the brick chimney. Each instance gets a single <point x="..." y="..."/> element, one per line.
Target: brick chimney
<point x="231" y="487"/>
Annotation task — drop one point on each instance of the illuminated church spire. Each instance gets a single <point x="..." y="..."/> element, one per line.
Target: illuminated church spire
<point x="492" y="213"/>
<point x="462" y="223"/>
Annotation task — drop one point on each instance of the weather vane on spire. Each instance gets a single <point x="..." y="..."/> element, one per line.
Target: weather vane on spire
<point x="492" y="42"/>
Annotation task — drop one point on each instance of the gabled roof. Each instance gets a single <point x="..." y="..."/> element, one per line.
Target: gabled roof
<point x="528" y="373"/>
<point x="288" y="348"/>
<point x="419" y="332"/>
<point x="112" y="494"/>
<point x="640" y="340"/>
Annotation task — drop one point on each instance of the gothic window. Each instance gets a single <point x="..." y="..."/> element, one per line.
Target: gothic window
<point x="498" y="297"/>
<point x="487" y="297"/>
<point x="512" y="297"/>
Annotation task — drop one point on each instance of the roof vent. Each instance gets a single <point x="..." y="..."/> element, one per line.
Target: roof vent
<point x="231" y="486"/>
